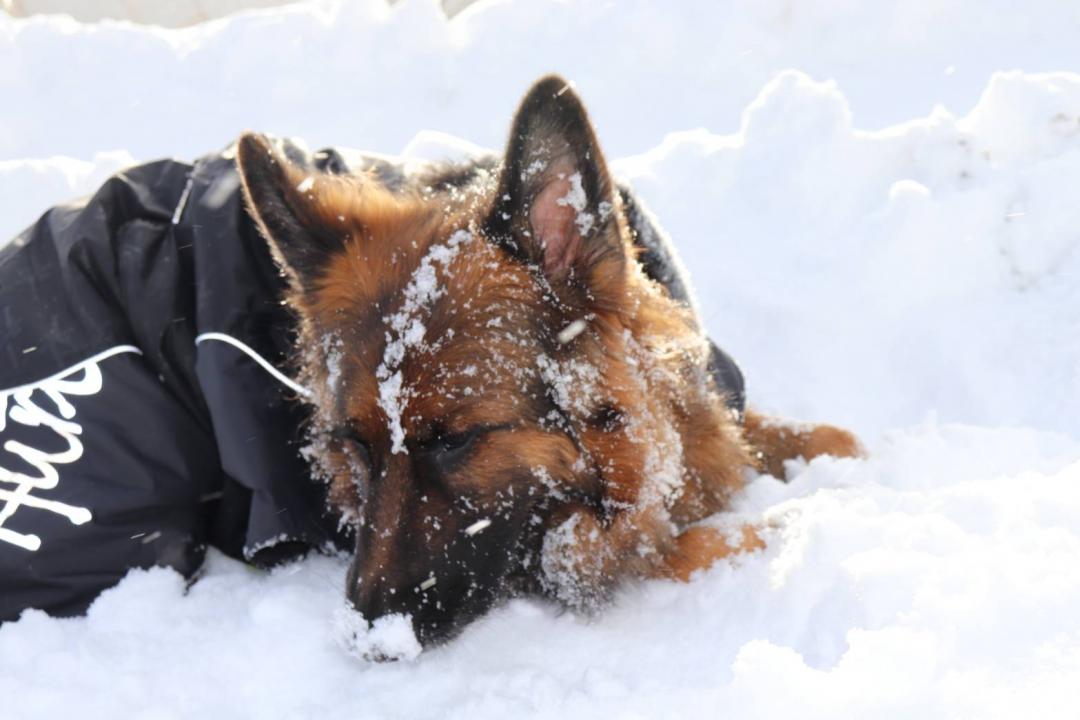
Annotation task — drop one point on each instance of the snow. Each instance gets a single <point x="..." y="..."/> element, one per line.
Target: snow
<point x="388" y="638"/>
<point x="334" y="352"/>
<point x="571" y="331"/>
<point x="409" y="333"/>
<point x="577" y="199"/>
<point x="572" y="383"/>
<point x="306" y="184"/>
<point x="885" y="238"/>
<point x="478" y="526"/>
<point x="937" y="579"/>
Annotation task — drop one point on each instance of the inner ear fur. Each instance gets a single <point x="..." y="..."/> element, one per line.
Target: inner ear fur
<point x="556" y="207"/>
<point x="283" y="200"/>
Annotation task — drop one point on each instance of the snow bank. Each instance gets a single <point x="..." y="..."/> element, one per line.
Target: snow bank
<point x="919" y="283"/>
<point x="176" y="13"/>
<point x="29" y="187"/>
<point x="362" y="74"/>
<point x="937" y="579"/>
<point x="870" y="277"/>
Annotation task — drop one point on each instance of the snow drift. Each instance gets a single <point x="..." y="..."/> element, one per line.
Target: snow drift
<point x="919" y="283"/>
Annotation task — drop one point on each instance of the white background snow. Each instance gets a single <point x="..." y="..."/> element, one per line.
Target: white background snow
<point x="879" y="203"/>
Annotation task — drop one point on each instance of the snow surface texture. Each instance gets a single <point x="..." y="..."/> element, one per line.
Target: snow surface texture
<point x="919" y="283"/>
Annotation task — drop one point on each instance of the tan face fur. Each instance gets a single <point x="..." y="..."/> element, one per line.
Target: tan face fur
<point x="503" y="402"/>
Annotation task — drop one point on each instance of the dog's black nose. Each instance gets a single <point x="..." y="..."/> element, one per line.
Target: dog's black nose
<point x="365" y="596"/>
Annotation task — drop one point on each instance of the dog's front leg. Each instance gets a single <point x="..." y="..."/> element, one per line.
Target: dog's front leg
<point x="699" y="547"/>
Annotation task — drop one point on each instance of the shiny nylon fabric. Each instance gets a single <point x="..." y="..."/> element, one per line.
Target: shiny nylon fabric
<point x="183" y="445"/>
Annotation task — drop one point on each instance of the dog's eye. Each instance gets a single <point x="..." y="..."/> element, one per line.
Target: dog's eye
<point x="352" y="443"/>
<point x="447" y="449"/>
<point x="456" y="441"/>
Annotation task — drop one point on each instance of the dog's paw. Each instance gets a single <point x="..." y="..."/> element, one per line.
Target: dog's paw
<point x="830" y="440"/>
<point x="775" y="441"/>
<point x="698" y="548"/>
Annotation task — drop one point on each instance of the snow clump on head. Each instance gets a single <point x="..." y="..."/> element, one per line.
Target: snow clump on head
<point x="406" y="330"/>
<point x="577" y="199"/>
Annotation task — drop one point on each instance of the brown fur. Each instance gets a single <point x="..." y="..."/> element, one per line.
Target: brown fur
<point x="775" y="441"/>
<point x="585" y="483"/>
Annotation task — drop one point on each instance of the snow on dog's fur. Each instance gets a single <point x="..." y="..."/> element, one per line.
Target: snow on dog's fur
<point x="504" y="402"/>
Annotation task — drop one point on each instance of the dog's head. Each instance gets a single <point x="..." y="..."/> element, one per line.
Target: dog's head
<point x="479" y="345"/>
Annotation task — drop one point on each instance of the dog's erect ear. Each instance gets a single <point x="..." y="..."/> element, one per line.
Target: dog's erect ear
<point x="556" y="201"/>
<point x="279" y="198"/>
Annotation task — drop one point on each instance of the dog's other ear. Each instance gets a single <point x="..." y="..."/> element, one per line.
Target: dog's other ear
<point x="279" y="198"/>
<point x="556" y="201"/>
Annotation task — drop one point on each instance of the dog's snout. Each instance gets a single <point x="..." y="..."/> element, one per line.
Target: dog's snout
<point x="367" y="596"/>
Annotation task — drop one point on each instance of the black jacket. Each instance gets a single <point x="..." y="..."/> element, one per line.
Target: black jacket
<point x="144" y="414"/>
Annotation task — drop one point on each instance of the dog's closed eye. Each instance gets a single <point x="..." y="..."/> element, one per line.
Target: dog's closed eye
<point x="353" y="445"/>
<point x="448" y="448"/>
<point x="457" y="441"/>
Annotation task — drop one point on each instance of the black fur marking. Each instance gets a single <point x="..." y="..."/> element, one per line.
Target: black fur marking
<point x="457" y="176"/>
<point x="608" y="418"/>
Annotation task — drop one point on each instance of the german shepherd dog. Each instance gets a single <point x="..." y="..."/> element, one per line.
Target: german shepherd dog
<point x="503" y="402"/>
